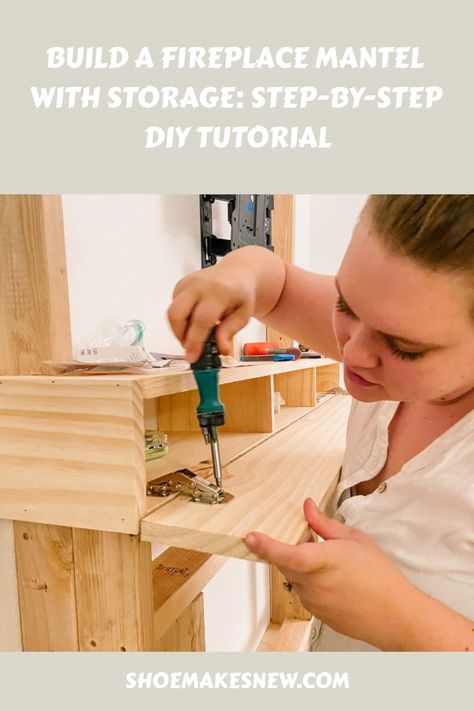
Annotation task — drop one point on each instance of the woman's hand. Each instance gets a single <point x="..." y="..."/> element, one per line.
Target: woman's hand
<point x="247" y="282"/>
<point x="349" y="583"/>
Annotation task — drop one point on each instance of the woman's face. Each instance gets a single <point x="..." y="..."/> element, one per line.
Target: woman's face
<point x="404" y="332"/>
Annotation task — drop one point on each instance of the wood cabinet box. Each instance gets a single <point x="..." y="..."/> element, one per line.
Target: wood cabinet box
<point x="71" y="452"/>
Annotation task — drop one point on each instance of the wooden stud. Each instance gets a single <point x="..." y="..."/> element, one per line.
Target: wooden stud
<point x="34" y="326"/>
<point x="283" y="239"/>
<point x="47" y="589"/>
<point x="114" y="592"/>
<point x="283" y="604"/>
<point x="187" y="633"/>
<point x="33" y="284"/>
<point x="10" y="630"/>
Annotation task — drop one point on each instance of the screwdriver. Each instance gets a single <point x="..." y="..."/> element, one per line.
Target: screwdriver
<point x="210" y="411"/>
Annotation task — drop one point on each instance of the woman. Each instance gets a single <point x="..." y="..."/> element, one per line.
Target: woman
<point x="395" y="570"/>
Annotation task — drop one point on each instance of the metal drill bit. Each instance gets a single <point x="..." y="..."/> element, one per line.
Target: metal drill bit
<point x="216" y="456"/>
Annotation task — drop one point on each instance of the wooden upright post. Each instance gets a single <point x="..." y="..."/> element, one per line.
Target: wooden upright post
<point x="77" y="589"/>
<point x="34" y="326"/>
<point x="283" y="238"/>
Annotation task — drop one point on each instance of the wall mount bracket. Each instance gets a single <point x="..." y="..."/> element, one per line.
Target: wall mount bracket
<point x="250" y="218"/>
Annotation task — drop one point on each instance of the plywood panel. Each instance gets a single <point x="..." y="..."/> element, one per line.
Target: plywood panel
<point x="269" y="483"/>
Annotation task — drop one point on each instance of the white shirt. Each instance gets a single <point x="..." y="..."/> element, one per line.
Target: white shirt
<point x="422" y="517"/>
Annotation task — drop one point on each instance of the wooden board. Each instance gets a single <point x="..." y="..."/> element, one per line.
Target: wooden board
<point x="47" y="587"/>
<point x="114" y="592"/>
<point x="291" y="636"/>
<point x="179" y="575"/>
<point x="187" y="634"/>
<point x="34" y="322"/>
<point x="328" y="377"/>
<point x="269" y="483"/>
<point x="283" y="604"/>
<point x="297" y="389"/>
<point x="34" y="326"/>
<point x="188" y="449"/>
<point x="72" y="453"/>
<point x="10" y="629"/>
<point x="248" y="408"/>
<point x="168" y="382"/>
<point x="283" y="239"/>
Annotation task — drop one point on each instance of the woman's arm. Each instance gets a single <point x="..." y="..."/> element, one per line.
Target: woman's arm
<point x="304" y="310"/>
<point x="349" y="583"/>
<point x="426" y="625"/>
<point x="253" y="282"/>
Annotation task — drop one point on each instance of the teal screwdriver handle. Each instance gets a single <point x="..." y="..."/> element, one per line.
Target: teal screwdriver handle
<point x="210" y="410"/>
<point x="208" y="385"/>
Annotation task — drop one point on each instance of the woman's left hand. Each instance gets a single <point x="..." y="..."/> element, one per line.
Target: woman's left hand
<point x="346" y="581"/>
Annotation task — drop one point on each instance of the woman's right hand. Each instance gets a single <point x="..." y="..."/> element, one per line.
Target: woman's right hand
<point x="223" y="294"/>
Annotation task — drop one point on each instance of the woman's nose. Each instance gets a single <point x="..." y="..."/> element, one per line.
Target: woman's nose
<point x="358" y="350"/>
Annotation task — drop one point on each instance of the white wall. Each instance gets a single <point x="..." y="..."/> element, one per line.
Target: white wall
<point x="125" y="254"/>
<point x="302" y="230"/>
<point x="332" y="219"/>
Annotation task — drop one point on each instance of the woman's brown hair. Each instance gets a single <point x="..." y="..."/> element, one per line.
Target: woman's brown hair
<point x="437" y="231"/>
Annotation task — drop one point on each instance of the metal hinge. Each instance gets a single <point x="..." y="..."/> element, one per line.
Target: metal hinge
<point x="186" y="482"/>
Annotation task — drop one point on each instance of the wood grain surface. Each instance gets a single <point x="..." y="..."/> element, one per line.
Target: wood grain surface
<point x="269" y="484"/>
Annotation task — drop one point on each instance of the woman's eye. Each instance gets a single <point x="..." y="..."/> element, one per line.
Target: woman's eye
<point x="404" y="355"/>
<point x="343" y="308"/>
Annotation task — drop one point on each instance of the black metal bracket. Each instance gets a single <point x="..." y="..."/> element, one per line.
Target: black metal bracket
<point x="250" y="218"/>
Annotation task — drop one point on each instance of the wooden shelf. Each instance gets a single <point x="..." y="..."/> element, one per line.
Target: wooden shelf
<point x="269" y="483"/>
<point x="71" y="447"/>
<point x="166" y="383"/>
<point x="188" y="449"/>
